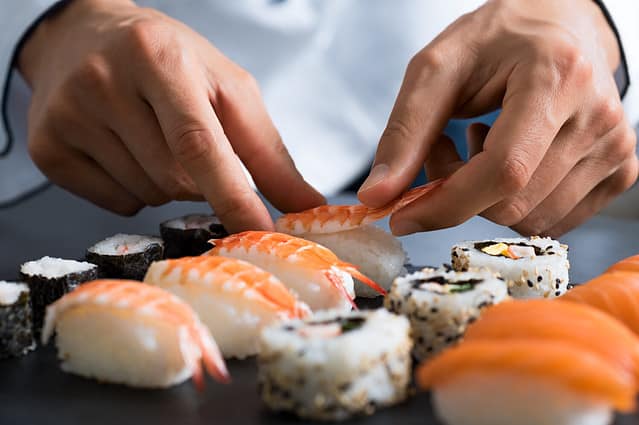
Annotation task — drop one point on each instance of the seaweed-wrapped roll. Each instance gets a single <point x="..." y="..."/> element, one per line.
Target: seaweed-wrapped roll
<point x="335" y="365"/>
<point x="189" y="235"/>
<point x="441" y="303"/>
<point x="51" y="278"/>
<point x="124" y="256"/>
<point x="534" y="268"/>
<point x="16" y="334"/>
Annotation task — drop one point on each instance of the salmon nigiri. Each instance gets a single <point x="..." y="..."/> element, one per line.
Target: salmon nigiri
<point x="234" y="299"/>
<point x="630" y="264"/>
<point x="580" y="325"/>
<point x="616" y="293"/>
<point x="525" y="383"/>
<point x="312" y="271"/>
<point x="127" y="332"/>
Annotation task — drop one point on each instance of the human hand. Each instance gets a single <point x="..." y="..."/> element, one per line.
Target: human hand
<point x="561" y="147"/>
<point x="132" y="108"/>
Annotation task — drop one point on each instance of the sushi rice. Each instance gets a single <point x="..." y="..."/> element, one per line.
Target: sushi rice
<point x="534" y="268"/>
<point x="335" y="365"/>
<point x="441" y="303"/>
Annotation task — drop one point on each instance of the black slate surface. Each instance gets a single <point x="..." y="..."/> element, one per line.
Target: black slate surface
<point x="34" y="391"/>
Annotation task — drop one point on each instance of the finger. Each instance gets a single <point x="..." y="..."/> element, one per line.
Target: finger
<point x="414" y="125"/>
<point x="597" y="199"/>
<point x="108" y="151"/>
<point x="443" y="159"/>
<point x="583" y="178"/>
<point x="259" y="145"/>
<point x="196" y="139"/>
<point x="77" y="173"/>
<point x="513" y="149"/>
<point x="140" y="131"/>
<point x="475" y="136"/>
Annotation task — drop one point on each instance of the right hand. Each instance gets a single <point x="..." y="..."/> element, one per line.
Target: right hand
<point x="132" y="108"/>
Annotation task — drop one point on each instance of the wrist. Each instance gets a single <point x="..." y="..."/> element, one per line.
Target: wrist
<point x="52" y="27"/>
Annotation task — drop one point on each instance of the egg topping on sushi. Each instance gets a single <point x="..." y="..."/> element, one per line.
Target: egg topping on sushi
<point x="233" y="298"/>
<point x="441" y="303"/>
<point x="335" y="365"/>
<point x="534" y="268"/>
<point x="346" y="230"/>
<point x="131" y="333"/>
<point x="311" y="271"/>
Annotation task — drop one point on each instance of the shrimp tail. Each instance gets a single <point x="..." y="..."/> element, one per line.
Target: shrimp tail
<point x="366" y="280"/>
<point x="216" y="368"/>
<point x="337" y="282"/>
<point x="198" y="377"/>
<point x="413" y="194"/>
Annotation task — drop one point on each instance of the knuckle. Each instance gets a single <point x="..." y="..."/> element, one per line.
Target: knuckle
<point x="626" y="176"/>
<point x="510" y="213"/>
<point x="231" y="205"/>
<point x="93" y="75"/>
<point x="572" y="63"/>
<point x="400" y="128"/>
<point x="190" y="142"/>
<point x="514" y="175"/>
<point x="622" y="147"/>
<point x="429" y="60"/>
<point x="150" y="40"/>
<point x="608" y="113"/>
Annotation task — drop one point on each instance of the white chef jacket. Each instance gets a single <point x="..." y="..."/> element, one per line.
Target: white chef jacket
<point x="329" y="70"/>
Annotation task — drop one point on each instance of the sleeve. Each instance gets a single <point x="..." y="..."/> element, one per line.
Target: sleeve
<point x="623" y="16"/>
<point x="17" y="19"/>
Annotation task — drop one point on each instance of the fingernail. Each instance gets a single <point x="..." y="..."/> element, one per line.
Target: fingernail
<point x="377" y="174"/>
<point x="407" y="227"/>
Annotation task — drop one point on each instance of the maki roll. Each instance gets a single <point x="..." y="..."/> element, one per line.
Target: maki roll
<point x="534" y="268"/>
<point x="16" y="334"/>
<point x="335" y="365"/>
<point x="189" y="235"/>
<point x="125" y="256"/>
<point x="441" y="303"/>
<point x="375" y="252"/>
<point x="50" y="278"/>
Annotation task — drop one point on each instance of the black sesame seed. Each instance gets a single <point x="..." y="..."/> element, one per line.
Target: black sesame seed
<point x="455" y="254"/>
<point x="434" y="310"/>
<point x="530" y="283"/>
<point x="550" y="253"/>
<point x="539" y="278"/>
<point x="557" y="286"/>
<point x="465" y="249"/>
<point x="557" y="280"/>
<point x="429" y="349"/>
<point x="558" y="293"/>
<point x="449" y="339"/>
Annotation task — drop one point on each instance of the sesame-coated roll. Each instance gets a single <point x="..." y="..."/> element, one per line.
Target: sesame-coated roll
<point x="16" y="335"/>
<point x="335" y="365"/>
<point x="441" y="303"/>
<point x="534" y="268"/>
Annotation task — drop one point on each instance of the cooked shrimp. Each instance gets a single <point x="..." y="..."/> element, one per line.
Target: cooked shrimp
<point x="337" y="218"/>
<point x="630" y="264"/>
<point x="312" y="271"/>
<point x="129" y="332"/>
<point x="234" y="299"/>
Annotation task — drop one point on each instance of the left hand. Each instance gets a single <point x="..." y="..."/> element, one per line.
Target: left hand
<point x="561" y="147"/>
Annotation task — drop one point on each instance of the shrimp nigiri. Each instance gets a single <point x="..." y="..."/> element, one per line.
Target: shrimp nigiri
<point x="579" y="325"/>
<point x="347" y="231"/>
<point x="525" y="382"/>
<point x="616" y="293"/>
<point x="131" y="333"/>
<point x="234" y="299"/>
<point x="630" y="264"/>
<point x="313" y="272"/>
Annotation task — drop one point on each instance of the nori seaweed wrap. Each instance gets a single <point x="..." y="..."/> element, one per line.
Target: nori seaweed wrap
<point x="16" y="333"/>
<point x="189" y="235"/>
<point x="125" y="256"/>
<point x="49" y="279"/>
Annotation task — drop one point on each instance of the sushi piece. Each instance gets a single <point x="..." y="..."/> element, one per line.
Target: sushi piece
<point x="335" y="365"/>
<point x="534" y="268"/>
<point x="344" y="229"/>
<point x="525" y="382"/>
<point x="615" y="293"/>
<point x="124" y="256"/>
<point x="441" y="303"/>
<point x="630" y="264"/>
<point x="189" y="235"/>
<point x="127" y="332"/>
<point x="580" y="325"/>
<point x="311" y="271"/>
<point x="376" y="253"/>
<point x="233" y="298"/>
<point x="16" y="333"/>
<point x="49" y="279"/>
